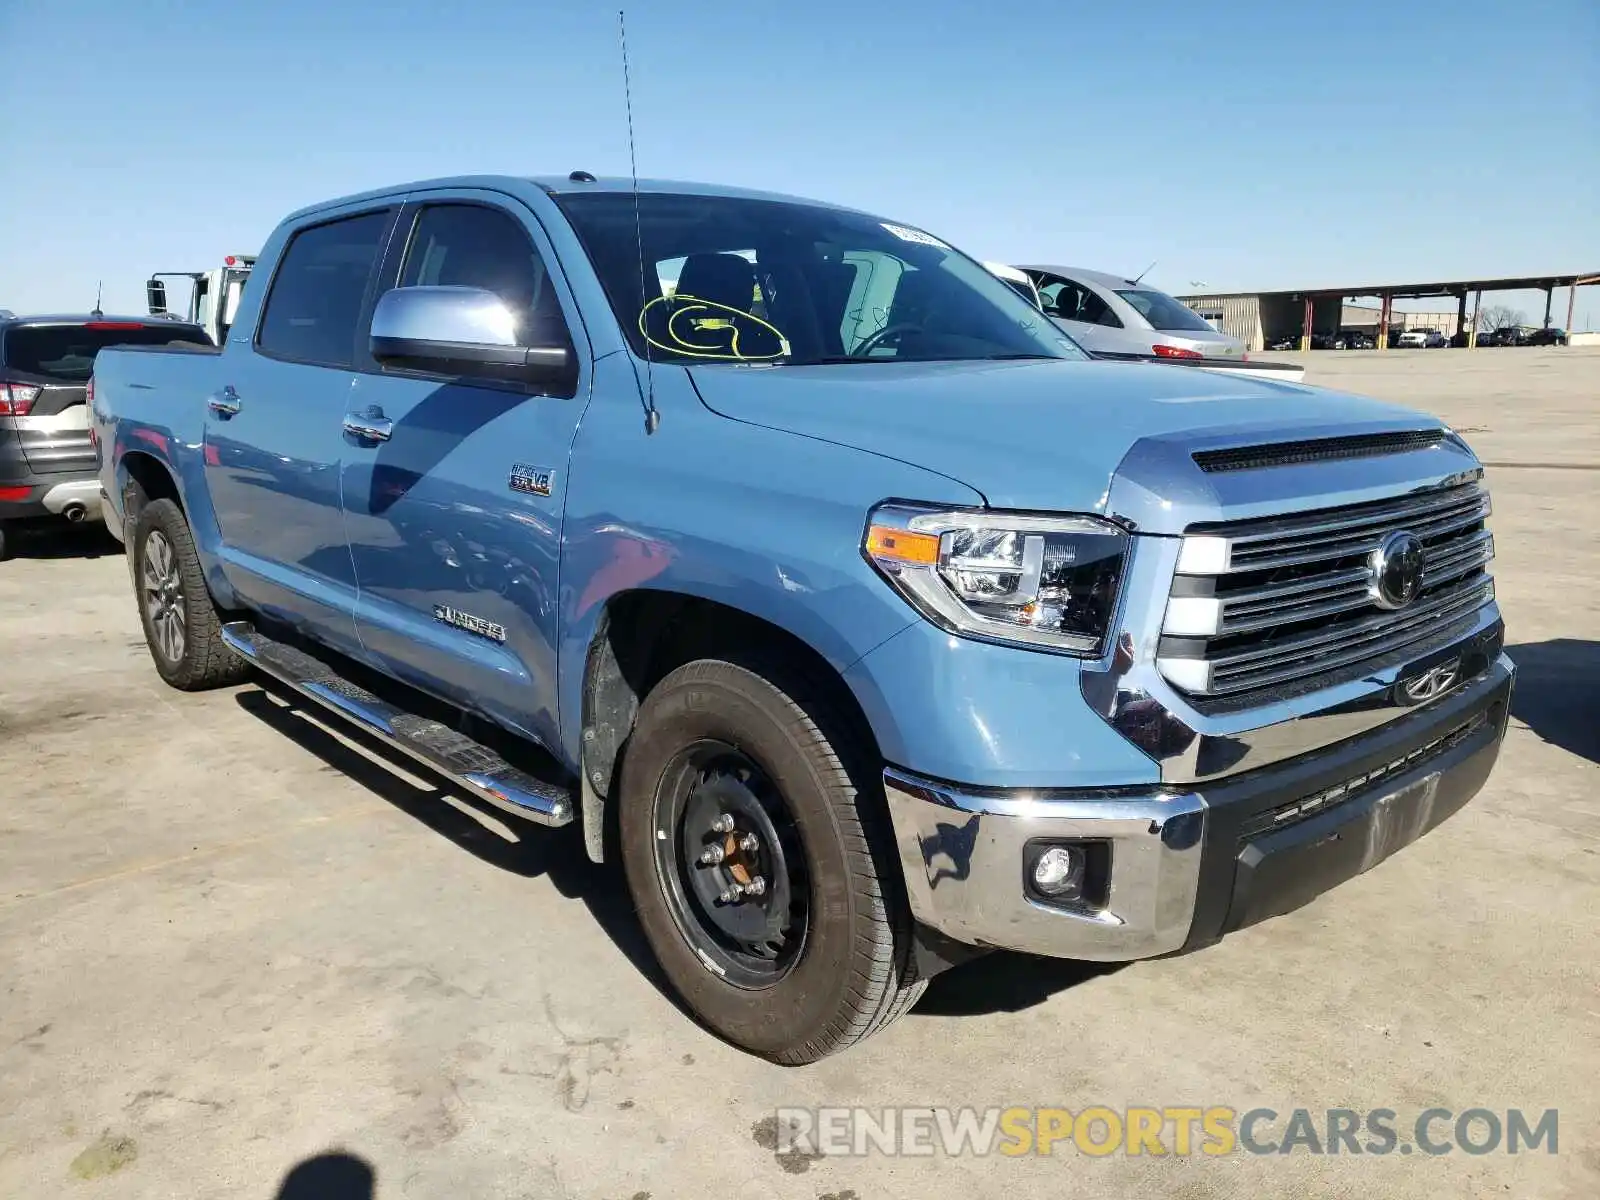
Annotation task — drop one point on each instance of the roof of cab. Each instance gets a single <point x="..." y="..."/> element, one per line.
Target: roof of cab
<point x="1103" y="278"/>
<point x="86" y="318"/>
<point x="559" y="185"/>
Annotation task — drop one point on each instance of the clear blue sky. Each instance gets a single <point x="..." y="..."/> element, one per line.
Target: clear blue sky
<point x="1242" y="144"/>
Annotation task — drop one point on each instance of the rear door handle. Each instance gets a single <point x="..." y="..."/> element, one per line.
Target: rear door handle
<point x="369" y="426"/>
<point x="225" y="403"/>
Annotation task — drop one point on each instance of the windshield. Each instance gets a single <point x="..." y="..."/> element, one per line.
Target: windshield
<point x="67" y="352"/>
<point x="734" y="280"/>
<point x="1163" y="312"/>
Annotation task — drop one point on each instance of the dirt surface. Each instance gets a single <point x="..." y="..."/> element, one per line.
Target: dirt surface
<point x="231" y="941"/>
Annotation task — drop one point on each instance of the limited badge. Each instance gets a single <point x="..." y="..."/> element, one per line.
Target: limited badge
<point x="533" y="480"/>
<point x="472" y="624"/>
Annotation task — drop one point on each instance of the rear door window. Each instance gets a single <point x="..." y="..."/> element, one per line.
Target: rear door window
<point x="319" y="289"/>
<point x="67" y="352"/>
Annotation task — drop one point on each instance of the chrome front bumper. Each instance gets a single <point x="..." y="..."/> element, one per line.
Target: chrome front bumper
<point x="1187" y="865"/>
<point x="962" y="853"/>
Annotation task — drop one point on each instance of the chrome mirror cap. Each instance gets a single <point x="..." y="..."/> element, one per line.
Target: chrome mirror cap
<point x="454" y="316"/>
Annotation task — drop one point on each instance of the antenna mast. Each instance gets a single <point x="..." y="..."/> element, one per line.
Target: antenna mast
<point x="99" y="285"/>
<point x="1142" y="273"/>
<point x="652" y="416"/>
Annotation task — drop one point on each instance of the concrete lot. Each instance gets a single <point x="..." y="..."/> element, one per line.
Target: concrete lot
<point x="230" y="941"/>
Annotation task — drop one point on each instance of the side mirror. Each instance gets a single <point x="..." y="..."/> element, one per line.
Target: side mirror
<point x="155" y="294"/>
<point x="464" y="331"/>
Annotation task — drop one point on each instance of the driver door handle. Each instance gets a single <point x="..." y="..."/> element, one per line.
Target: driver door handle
<point x="370" y="425"/>
<point x="225" y="403"/>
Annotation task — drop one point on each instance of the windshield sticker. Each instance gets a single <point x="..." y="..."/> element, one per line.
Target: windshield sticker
<point x="705" y="329"/>
<point x="906" y="234"/>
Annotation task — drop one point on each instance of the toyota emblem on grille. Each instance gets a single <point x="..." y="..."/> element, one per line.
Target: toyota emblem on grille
<point x="1396" y="568"/>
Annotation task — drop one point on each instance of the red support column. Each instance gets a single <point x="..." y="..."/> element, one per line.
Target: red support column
<point x="1477" y="303"/>
<point x="1387" y="312"/>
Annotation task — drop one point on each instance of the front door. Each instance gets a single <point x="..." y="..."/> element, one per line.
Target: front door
<point x="274" y="436"/>
<point x="454" y="513"/>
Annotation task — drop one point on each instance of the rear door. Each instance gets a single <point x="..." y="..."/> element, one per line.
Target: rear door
<point x="274" y="440"/>
<point x="48" y="364"/>
<point x="454" y="518"/>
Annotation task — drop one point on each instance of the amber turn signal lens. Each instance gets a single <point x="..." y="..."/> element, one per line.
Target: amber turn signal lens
<point x="899" y="545"/>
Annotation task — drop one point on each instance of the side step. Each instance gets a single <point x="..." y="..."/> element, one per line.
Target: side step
<point x="471" y="765"/>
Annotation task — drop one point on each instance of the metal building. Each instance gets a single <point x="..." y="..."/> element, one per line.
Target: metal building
<point x="1261" y="318"/>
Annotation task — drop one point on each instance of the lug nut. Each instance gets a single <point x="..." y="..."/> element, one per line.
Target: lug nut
<point x="756" y="887"/>
<point x="723" y="823"/>
<point x="749" y="843"/>
<point x="733" y="894"/>
<point x="712" y="855"/>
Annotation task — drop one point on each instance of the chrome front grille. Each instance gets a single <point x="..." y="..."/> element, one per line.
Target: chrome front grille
<point x="1288" y="601"/>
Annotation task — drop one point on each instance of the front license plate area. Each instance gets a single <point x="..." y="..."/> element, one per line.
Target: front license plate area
<point x="1281" y="871"/>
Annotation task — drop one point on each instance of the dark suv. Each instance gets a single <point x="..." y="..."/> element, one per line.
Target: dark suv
<point x="47" y="462"/>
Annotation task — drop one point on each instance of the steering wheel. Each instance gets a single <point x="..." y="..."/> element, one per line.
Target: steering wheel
<point x="873" y="340"/>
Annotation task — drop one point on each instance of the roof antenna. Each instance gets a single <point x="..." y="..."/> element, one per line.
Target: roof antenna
<point x="652" y="415"/>
<point x="98" y="286"/>
<point x="1142" y="273"/>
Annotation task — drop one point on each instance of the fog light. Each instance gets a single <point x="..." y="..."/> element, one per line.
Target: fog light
<point x="1058" y="873"/>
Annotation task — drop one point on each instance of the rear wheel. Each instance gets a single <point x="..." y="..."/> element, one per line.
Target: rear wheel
<point x="5" y="544"/>
<point x="754" y="854"/>
<point x="181" y="624"/>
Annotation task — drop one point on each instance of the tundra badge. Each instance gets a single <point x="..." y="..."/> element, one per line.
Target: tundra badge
<point x="533" y="480"/>
<point x="472" y="624"/>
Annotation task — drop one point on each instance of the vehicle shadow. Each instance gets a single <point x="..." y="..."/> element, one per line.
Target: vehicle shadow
<point x="532" y="851"/>
<point x="1004" y="982"/>
<point x="334" y="1175"/>
<point x="88" y="540"/>
<point x="1558" y="693"/>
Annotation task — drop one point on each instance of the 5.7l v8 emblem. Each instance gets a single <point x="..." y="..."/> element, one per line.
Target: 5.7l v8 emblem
<point x="536" y="481"/>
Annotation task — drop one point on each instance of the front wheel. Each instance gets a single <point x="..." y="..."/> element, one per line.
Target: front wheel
<point x="759" y="864"/>
<point x="181" y="625"/>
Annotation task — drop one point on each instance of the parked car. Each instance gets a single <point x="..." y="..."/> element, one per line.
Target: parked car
<point x="1107" y="314"/>
<point x="47" y="463"/>
<point x="1020" y="281"/>
<point x="1358" y="339"/>
<point x="1548" y="336"/>
<point x="1509" y="335"/>
<point x="466" y="475"/>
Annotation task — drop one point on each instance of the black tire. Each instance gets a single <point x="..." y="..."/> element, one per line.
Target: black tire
<point x="5" y="545"/>
<point x="853" y="971"/>
<point x="182" y="627"/>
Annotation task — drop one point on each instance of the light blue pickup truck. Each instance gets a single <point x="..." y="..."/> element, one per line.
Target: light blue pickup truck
<point x="817" y="575"/>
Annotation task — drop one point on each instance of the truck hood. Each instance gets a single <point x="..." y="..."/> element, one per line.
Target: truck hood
<point x="1050" y="435"/>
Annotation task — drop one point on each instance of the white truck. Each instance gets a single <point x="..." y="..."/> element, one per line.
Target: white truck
<point x="213" y="295"/>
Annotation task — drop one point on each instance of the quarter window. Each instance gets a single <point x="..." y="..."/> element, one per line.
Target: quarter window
<point x="317" y="292"/>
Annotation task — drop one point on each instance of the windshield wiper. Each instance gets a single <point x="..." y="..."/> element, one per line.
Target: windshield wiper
<point x="1010" y="357"/>
<point x="833" y="360"/>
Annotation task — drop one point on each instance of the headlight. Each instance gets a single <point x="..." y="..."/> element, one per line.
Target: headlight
<point x="1049" y="582"/>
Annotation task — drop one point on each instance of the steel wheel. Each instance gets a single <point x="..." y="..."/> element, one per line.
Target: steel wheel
<point x="730" y="860"/>
<point x="162" y="586"/>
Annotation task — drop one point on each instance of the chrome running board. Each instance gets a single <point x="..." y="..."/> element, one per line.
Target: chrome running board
<point x="475" y="768"/>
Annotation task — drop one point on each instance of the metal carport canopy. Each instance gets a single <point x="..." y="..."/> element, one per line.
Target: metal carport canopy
<point x="1444" y="287"/>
